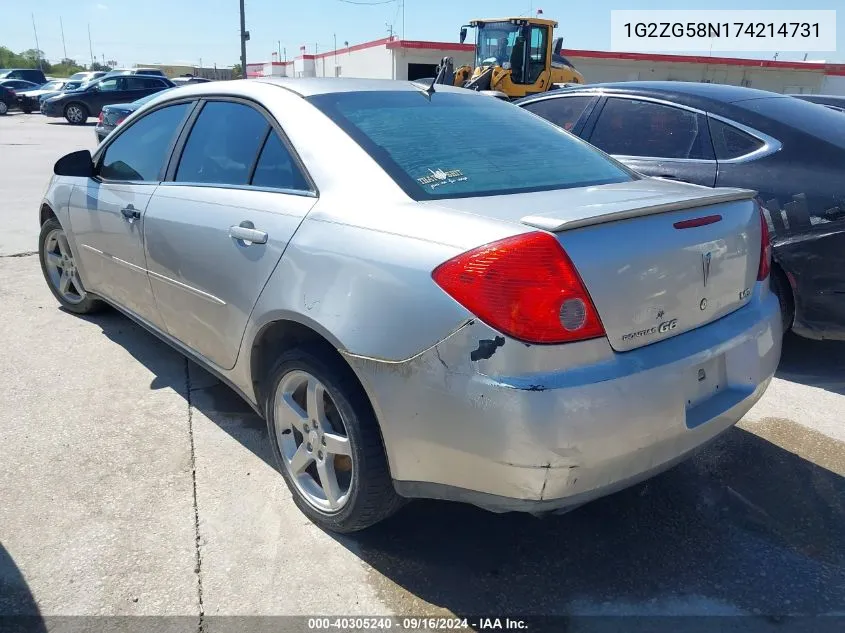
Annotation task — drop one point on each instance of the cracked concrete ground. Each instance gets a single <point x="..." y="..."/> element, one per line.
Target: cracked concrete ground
<point x="133" y="483"/>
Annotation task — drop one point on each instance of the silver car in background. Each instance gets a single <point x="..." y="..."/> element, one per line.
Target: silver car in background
<point x="511" y="319"/>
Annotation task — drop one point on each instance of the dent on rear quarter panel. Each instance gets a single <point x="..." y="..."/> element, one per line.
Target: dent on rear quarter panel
<point x="368" y="292"/>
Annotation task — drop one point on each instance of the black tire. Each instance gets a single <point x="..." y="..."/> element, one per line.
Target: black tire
<point x="779" y="284"/>
<point x="372" y="497"/>
<point x="70" y="118"/>
<point x="4" y="108"/>
<point x="27" y="110"/>
<point x="88" y="304"/>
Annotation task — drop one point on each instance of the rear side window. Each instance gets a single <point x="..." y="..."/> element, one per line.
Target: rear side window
<point x="562" y="111"/>
<point x="140" y="151"/>
<point x="630" y="127"/>
<point x="276" y="167"/>
<point x="431" y="144"/>
<point x="223" y="145"/>
<point x="135" y="83"/>
<point x="730" y="142"/>
<point x="152" y="84"/>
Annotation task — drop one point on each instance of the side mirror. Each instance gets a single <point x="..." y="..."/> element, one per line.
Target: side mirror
<point x="463" y="34"/>
<point x="78" y="164"/>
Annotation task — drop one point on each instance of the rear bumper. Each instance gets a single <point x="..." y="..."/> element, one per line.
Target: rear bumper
<point x="546" y="427"/>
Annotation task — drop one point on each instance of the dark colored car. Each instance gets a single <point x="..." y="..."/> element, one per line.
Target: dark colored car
<point x="77" y="105"/>
<point x="8" y="100"/>
<point x="790" y="151"/>
<point x="28" y="74"/>
<point x="113" y="115"/>
<point x="834" y="102"/>
<point x="18" y="85"/>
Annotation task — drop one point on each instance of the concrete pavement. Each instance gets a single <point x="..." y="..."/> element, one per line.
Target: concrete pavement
<point x="132" y="482"/>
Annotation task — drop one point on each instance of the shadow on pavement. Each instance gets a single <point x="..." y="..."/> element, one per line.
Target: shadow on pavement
<point x="209" y="396"/>
<point x="743" y="527"/>
<point x="814" y="363"/>
<point x="63" y="122"/>
<point x="18" y="609"/>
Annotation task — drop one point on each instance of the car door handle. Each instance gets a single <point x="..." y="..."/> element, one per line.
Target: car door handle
<point x="130" y="213"/>
<point x="247" y="234"/>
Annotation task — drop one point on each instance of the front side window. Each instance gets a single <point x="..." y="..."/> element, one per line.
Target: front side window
<point x="630" y="127"/>
<point x="562" y="111"/>
<point x="140" y="151"/>
<point x="108" y="85"/>
<point x="223" y="144"/>
<point x="427" y="144"/>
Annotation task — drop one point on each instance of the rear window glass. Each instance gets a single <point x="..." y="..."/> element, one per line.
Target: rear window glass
<point x="451" y="145"/>
<point x="807" y="117"/>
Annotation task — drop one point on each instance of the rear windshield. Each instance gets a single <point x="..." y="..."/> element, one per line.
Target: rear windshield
<point x="811" y="118"/>
<point x="453" y="145"/>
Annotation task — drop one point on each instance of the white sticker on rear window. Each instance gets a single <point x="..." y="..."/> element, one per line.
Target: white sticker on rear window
<point x="440" y="177"/>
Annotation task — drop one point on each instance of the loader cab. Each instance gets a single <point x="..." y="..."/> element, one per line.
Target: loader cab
<point x="520" y="45"/>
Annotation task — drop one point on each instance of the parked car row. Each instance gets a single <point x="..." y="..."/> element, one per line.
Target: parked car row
<point x="84" y="94"/>
<point x="790" y="151"/>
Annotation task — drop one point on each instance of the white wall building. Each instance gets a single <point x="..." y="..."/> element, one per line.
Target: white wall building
<point x="392" y="58"/>
<point x="388" y="58"/>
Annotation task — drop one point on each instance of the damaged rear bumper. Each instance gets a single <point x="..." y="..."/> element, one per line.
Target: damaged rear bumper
<point x="488" y="420"/>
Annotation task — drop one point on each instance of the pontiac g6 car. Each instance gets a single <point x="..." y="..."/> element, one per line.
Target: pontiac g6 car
<point x="515" y="321"/>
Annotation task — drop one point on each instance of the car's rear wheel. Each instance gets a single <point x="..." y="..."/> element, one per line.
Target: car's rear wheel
<point x="327" y="442"/>
<point x="3" y="108"/>
<point x="76" y="113"/>
<point x="26" y="110"/>
<point x="60" y="271"/>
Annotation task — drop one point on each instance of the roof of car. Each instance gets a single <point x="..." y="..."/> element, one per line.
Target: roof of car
<point x="678" y="89"/>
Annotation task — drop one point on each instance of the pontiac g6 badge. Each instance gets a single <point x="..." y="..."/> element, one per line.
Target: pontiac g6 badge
<point x="705" y="267"/>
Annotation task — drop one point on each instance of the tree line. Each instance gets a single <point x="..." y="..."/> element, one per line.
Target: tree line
<point x="33" y="58"/>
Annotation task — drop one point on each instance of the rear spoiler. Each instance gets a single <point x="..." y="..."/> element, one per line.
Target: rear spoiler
<point x="580" y="217"/>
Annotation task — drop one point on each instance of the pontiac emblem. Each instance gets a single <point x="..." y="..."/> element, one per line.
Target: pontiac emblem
<point x="705" y="267"/>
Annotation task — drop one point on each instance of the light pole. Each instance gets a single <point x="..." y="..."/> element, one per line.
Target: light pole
<point x="244" y="38"/>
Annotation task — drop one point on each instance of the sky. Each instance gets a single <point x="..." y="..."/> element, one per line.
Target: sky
<point x="194" y="31"/>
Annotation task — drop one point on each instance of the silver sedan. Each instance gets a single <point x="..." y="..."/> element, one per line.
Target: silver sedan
<point x="426" y="293"/>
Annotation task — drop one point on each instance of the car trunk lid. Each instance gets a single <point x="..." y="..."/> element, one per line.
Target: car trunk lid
<point x="652" y="267"/>
<point x="666" y="266"/>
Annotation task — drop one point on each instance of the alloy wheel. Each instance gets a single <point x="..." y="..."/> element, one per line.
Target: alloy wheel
<point x="313" y="441"/>
<point x="74" y="113"/>
<point x="61" y="267"/>
<point x="3" y="108"/>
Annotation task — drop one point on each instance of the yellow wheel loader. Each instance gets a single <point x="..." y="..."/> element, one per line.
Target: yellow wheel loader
<point x="514" y="57"/>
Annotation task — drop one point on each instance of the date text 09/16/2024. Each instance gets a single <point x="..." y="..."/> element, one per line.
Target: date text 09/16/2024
<point x="416" y="624"/>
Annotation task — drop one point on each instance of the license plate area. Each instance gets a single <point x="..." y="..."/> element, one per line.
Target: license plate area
<point x="705" y="381"/>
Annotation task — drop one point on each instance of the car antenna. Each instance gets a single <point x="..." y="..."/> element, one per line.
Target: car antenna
<point x="426" y="91"/>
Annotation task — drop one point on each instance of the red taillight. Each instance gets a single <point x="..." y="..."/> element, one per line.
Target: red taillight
<point x="100" y="118"/>
<point x="119" y="121"/>
<point x="524" y="286"/>
<point x="765" y="248"/>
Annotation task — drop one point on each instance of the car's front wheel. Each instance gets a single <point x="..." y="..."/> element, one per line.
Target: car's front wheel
<point x="76" y="113"/>
<point x="60" y="271"/>
<point x="4" y="109"/>
<point x="327" y="442"/>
